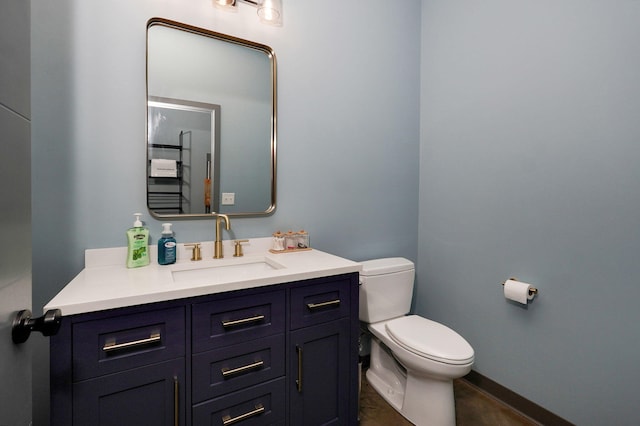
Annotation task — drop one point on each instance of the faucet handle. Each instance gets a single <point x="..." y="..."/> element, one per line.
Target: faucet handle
<point x="195" y="253"/>
<point x="238" y="252"/>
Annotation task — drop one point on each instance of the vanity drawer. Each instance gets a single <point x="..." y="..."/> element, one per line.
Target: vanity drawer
<point x="259" y="405"/>
<point x="124" y="342"/>
<point x="234" y="320"/>
<point x="318" y="303"/>
<point x="235" y="367"/>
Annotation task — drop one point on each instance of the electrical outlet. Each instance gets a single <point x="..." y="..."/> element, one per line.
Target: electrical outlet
<point x="228" y="198"/>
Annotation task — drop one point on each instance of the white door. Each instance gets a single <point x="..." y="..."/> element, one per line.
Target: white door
<point x="15" y="208"/>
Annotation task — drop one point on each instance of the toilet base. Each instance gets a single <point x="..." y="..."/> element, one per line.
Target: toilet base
<point x="429" y="401"/>
<point x="386" y="377"/>
<point x="421" y="399"/>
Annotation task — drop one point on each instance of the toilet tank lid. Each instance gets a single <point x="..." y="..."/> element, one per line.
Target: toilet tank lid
<point x="386" y="266"/>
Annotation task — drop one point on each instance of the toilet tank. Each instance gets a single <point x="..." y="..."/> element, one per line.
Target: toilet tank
<point x="386" y="288"/>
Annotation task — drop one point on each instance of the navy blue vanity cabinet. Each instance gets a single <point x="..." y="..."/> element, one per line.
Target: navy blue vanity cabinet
<point x="323" y="348"/>
<point x="284" y="354"/>
<point x="120" y="367"/>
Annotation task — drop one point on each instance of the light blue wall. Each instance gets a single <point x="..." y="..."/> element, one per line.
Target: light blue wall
<point x="530" y="153"/>
<point x="348" y="140"/>
<point x="348" y="126"/>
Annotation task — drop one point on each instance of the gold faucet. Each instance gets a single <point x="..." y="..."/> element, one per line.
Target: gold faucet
<point x="217" y="252"/>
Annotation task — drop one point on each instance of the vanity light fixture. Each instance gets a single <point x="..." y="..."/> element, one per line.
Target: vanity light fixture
<point x="269" y="11"/>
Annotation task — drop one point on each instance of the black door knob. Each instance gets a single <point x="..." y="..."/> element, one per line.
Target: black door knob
<point x="23" y="324"/>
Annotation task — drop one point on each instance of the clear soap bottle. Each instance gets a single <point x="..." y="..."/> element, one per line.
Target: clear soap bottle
<point x="137" y="244"/>
<point x="166" y="246"/>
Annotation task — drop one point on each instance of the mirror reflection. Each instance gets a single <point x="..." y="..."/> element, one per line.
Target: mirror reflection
<point x="211" y="114"/>
<point x="183" y="151"/>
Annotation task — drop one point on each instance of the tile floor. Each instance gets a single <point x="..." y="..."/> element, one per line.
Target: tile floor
<point x="473" y="408"/>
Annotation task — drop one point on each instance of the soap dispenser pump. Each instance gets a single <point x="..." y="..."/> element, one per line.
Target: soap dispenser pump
<point x="137" y="244"/>
<point x="166" y="246"/>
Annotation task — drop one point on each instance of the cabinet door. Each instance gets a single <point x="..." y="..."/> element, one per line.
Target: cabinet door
<point x="320" y="375"/>
<point x="145" y="396"/>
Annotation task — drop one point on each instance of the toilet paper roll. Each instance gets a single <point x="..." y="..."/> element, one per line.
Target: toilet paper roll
<point x="517" y="291"/>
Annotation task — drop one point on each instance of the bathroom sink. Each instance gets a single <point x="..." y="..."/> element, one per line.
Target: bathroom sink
<point x="224" y="269"/>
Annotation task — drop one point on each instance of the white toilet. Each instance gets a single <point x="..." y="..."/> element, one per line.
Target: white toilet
<point x="413" y="360"/>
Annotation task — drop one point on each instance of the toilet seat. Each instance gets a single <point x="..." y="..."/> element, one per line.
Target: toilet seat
<point x="430" y="339"/>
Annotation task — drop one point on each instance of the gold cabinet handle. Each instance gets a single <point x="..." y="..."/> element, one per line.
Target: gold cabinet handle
<point x="299" y="379"/>
<point x="228" y="420"/>
<point x="230" y="372"/>
<point x="176" y="402"/>
<point x="113" y="346"/>
<point x="323" y="304"/>
<point x="257" y="318"/>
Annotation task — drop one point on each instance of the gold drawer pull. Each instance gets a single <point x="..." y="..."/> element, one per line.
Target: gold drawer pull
<point x="113" y="346"/>
<point x="227" y="372"/>
<point x="176" y="401"/>
<point x="323" y="304"/>
<point x="299" y="379"/>
<point x="228" y="420"/>
<point x="257" y="318"/>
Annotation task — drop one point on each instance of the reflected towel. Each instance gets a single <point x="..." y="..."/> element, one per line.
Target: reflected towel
<point x="164" y="168"/>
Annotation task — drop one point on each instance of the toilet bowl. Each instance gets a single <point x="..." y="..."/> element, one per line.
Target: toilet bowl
<point x="413" y="359"/>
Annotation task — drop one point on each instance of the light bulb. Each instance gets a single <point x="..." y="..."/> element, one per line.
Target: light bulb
<point x="270" y="12"/>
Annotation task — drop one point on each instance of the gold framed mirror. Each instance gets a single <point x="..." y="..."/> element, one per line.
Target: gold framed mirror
<point x="211" y="123"/>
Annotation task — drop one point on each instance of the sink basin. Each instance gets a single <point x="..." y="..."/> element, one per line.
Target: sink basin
<point x="224" y="269"/>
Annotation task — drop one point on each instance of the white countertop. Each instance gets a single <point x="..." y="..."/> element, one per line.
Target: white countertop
<point x="106" y="282"/>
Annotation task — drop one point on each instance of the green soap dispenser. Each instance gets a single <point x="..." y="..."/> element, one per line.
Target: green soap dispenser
<point x="137" y="244"/>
